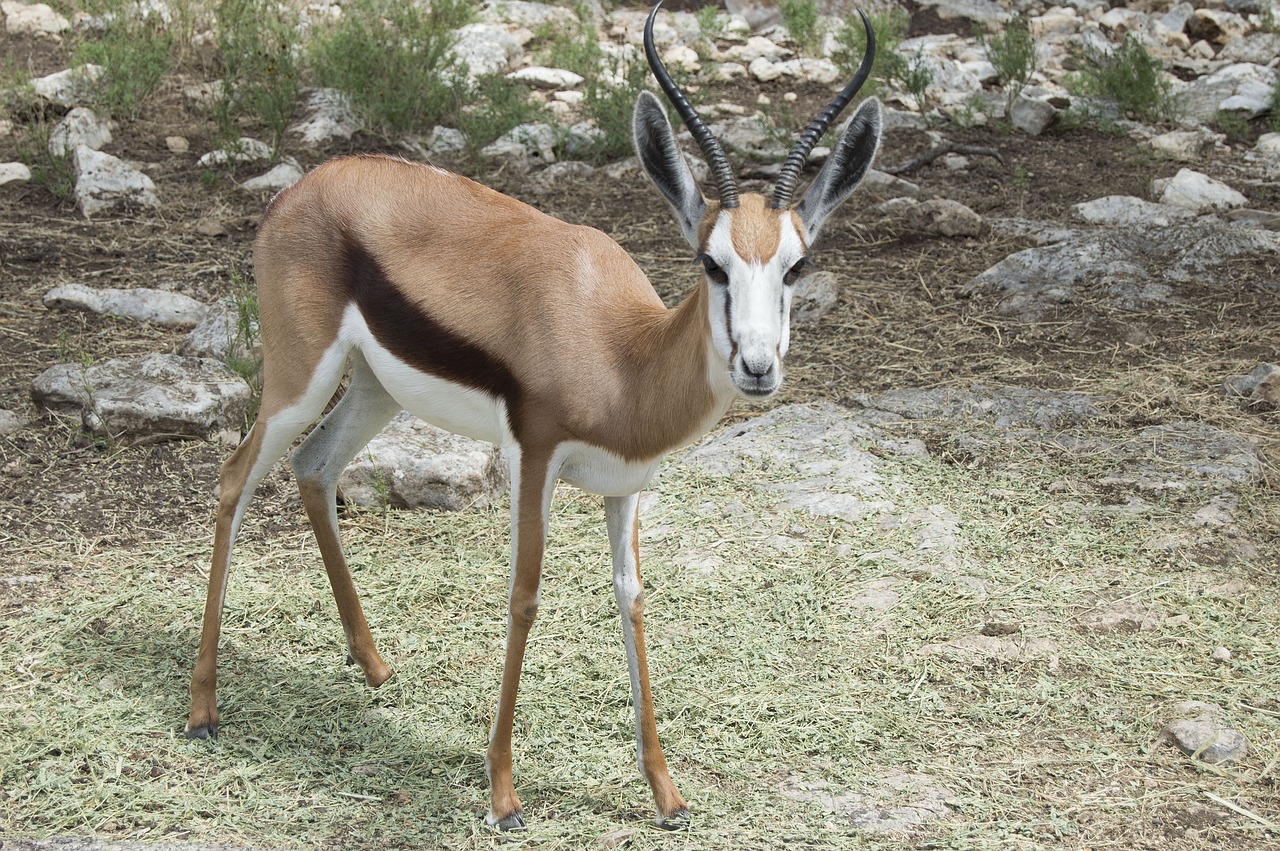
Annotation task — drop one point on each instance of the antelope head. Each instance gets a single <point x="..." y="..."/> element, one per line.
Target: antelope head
<point x="752" y="248"/>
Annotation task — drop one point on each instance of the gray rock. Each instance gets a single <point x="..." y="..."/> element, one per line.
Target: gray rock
<point x="327" y="115"/>
<point x="759" y="14"/>
<point x="1186" y="145"/>
<point x="1128" y="210"/>
<point x="1260" y="387"/>
<point x="1261" y="219"/>
<point x="1196" y="191"/>
<point x="583" y="139"/>
<point x="158" y="307"/>
<point x="415" y="465"/>
<point x="1004" y="408"/>
<point x="524" y="145"/>
<point x="10" y="422"/>
<point x="901" y="803"/>
<point x="220" y="335"/>
<point x="547" y="78"/>
<point x="80" y="126"/>
<point x="1257" y="48"/>
<point x="1031" y="115"/>
<point x="33" y="19"/>
<point x="814" y="296"/>
<point x="104" y="182"/>
<point x="446" y="142"/>
<point x="281" y="176"/>
<point x="1217" y="26"/>
<point x="979" y="11"/>
<point x="888" y="186"/>
<point x="151" y="396"/>
<point x="556" y="173"/>
<point x="527" y="14"/>
<point x="14" y="173"/>
<point x="72" y="87"/>
<point x="1120" y="266"/>
<point x="1268" y="145"/>
<point x="1241" y="87"/>
<point x="749" y="136"/>
<point x="243" y="150"/>
<point x="487" y="49"/>
<point x="944" y="217"/>
<point x="1204" y="735"/>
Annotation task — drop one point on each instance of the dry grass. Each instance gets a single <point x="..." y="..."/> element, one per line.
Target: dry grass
<point x="769" y="677"/>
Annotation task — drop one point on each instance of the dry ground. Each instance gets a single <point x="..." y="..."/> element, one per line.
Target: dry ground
<point x="105" y="546"/>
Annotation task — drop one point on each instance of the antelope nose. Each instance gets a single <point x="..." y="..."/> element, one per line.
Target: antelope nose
<point x="756" y="370"/>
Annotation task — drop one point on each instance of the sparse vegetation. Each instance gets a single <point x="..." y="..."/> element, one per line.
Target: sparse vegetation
<point x="800" y="17"/>
<point x="258" y="44"/>
<point x="136" y="52"/>
<point x="499" y="105"/>
<point x="1013" y="54"/>
<point x="1233" y="125"/>
<point x="1133" y="78"/>
<point x="394" y="61"/>
<point x="890" y="26"/>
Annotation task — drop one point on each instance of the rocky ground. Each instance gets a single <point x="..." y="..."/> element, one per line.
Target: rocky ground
<point x="1095" y="308"/>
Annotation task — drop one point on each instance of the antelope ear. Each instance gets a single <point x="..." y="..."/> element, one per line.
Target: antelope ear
<point x="844" y="169"/>
<point x="664" y="163"/>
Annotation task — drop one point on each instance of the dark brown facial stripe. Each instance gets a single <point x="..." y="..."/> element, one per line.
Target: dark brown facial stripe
<point x="412" y="335"/>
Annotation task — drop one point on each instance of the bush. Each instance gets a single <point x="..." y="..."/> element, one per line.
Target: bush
<point x="257" y="41"/>
<point x="499" y="105"/>
<point x="136" y="53"/>
<point x="1013" y="55"/>
<point x="390" y="58"/>
<point x="1133" y="78"/>
<point x="890" y="27"/>
<point x="801" y="20"/>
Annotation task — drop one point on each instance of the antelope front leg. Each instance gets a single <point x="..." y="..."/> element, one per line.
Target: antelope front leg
<point x="623" y="518"/>
<point x="531" y="484"/>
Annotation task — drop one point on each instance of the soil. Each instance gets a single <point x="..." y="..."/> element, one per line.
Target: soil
<point x="904" y="317"/>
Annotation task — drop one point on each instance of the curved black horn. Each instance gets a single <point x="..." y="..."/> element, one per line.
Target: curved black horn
<point x="710" y="147"/>
<point x="795" y="160"/>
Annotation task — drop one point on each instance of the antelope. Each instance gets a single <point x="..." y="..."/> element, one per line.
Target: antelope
<point x="480" y="314"/>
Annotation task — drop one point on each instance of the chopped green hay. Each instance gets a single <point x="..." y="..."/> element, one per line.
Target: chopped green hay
<point x="789" y="710"/>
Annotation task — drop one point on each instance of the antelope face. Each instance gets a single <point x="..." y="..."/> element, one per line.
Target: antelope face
<point x="752" y="256"/>
<point x="751" y="248"/>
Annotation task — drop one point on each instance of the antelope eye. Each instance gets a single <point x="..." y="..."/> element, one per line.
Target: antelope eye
<point x="714" y="272"/>
<point x="796" y="270"/>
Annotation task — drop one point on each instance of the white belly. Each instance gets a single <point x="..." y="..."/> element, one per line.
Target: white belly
<point x="447" y="404"/>
<point x="599" y="471"/>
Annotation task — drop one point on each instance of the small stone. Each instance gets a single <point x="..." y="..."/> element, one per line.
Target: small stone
<point x="33" y="19"/>
<point x="1128" y="210"/>
<point x="1268" y="144"/>
<point x="208" y="226"/>
<point x="1204" y="737"/>
<point x="71" y="87"/>
<point x="682" y="57"/>
<point x="328" y="116"/>
<point x="1032" y="115"/>
<point x="1221" y="654"/>
<point x="14" y="173"/>
<point x="944" y="217"/>
<point x="1187" y="145"/>
<point x="1196" y="191"/>
<point x="10" y="422"/>
<point x="763" y="70"/>
<point x="547" y="78"/>
<point x="1260" y="387"/>
<point x="177" y="144"/>
<point x="281" y="176"/>
<point x="244" y="150"/>
<point x="80" y="126"/>
<point x="814" y="296"/>
<point x="104" y="181"/>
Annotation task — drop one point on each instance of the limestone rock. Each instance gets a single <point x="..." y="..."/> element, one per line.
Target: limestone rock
<point x="1186" y="145"/>
<point x="158" y="307"/>
<point x="220" y="335"/>
<point x="33" y="19"/>
<point x="763" y="70"/>
<point x="1128" y="210"/>
<point x="281" y="176"/>
<point x="487" y="49"/>
<point x="72" y="87"/>
<point x="243" y="150"/>
<point x="80" y="126"/>
<point x="1241" y="87"/>
<point x="1216" y="25"/>
<point x="888" y="186"/>
<point x="328" y="116"/>
<point x="1202" y="733"/>
<point x="415" y="465"/>
<point x="945" y="218"/>
<point x="814" y="296"/>
<point x="104" y="182"/>
<point x="14" y="173"/>
<point x="547" y="78"/>
<point x="152" y="396"/>
<point x="554" y="174"/>
<point x="1196" y="191"/>
<point x="524" y="145"/>
<point x="1031" y="115"/>
<point x="1260" y="387"/>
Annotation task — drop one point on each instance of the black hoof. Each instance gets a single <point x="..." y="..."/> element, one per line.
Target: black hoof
<point x="208" y="731"/>
<point x="679" y="820"/>
<point x="515" y="821"/>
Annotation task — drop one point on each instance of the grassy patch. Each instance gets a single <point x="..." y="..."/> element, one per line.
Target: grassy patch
<point x="1133" y="78"/>
<point x="800" y="17"/>
<point x="394" y="61"/>
<point x="890" y="27"/>
<point x="770" y="675"/>
<point x="1013" y="54"/>
<point x="258" y="43"/>
<point x="136" y="51"/>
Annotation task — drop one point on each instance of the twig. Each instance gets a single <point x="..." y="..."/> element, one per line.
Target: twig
<point x="1252" y="816"/>
<point x="941" y="150"/>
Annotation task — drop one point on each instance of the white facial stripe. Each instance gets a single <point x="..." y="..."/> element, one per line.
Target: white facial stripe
<point x="750" y="315"/>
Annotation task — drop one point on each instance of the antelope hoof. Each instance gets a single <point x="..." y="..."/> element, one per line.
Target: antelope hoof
<point x="374" y="677"/>
<point x="679" y="820"/>
<point x="204" y="731"/>
<point x="514" y="821"/>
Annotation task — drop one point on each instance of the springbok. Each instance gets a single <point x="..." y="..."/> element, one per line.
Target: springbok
<point x="478" y="313"/>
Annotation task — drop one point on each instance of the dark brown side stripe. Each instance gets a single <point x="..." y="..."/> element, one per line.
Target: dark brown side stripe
<point x="412" y="335"/>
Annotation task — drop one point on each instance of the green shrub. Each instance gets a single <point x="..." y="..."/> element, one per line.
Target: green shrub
<point x="499" y="105"/>
<point x="801" y="20"/>
<point x="575" y="48"/>
<point x="890" y="27"/>
<point x="1013" y="54"/>
<point x="135" y="53"/>
<point x="611" y="106"/>
<point x="390" y="59"/>
<point x="1133" y="78"/>
<point x="258" y="45"/>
